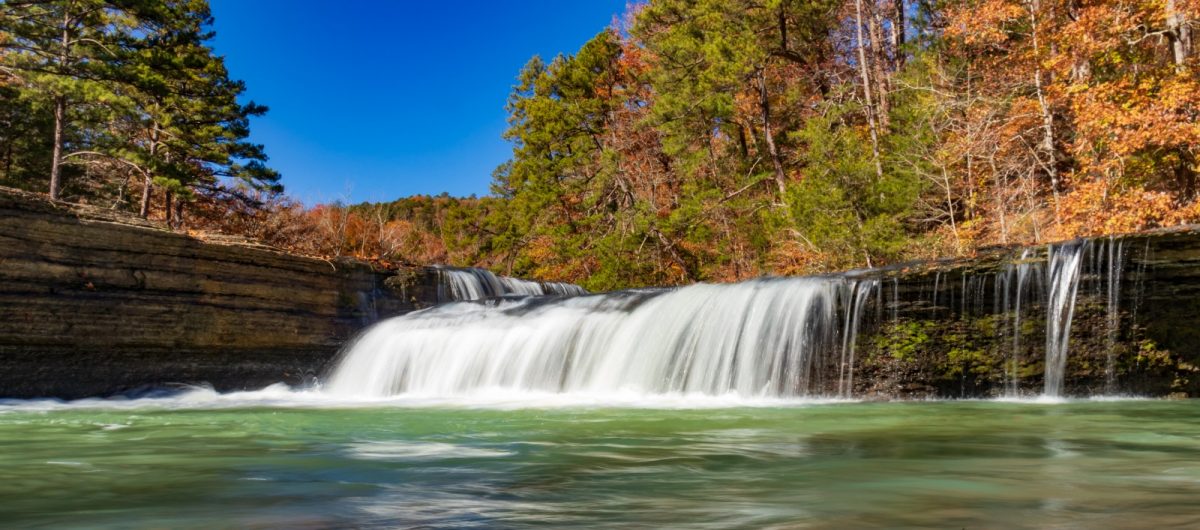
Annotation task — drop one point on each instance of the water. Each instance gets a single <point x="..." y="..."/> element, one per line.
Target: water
<point x="776" y="337"/>
<point x="304" y="460"/>
<point x="473" y="283"/>
<point x="858" y="295"/>
<point x="1014" y="286"/>
<point x="770" y="337"/>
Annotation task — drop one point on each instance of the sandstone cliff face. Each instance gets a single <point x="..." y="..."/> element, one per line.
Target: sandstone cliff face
<point x="94" y="303"/>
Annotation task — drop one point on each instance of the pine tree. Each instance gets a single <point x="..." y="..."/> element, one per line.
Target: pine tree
<point x="64" y="54"/>
<point x="196" y="129"/>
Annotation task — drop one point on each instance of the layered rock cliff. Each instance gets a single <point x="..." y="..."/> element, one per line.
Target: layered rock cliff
<point x="93" y="302"/>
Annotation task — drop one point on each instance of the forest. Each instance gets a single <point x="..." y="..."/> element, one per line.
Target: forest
<point x="693" y="140"/>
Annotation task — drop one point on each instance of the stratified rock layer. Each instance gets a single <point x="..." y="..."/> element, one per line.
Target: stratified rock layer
<point x="95" y="303"/>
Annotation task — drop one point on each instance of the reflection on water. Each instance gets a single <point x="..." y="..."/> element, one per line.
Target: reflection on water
<point x="1116" y="464"/>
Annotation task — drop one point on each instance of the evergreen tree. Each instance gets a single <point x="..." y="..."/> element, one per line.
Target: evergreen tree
<point x="131" y="88"/>
<point x="64" y="55"/>
<point x="193" y="130"/>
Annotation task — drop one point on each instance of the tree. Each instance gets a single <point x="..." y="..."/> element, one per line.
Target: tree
<point x="64" y="53"/>
<point x="133" y="88"/>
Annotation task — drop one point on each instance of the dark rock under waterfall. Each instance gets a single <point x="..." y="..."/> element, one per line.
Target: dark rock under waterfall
<point x="976" y="328"/>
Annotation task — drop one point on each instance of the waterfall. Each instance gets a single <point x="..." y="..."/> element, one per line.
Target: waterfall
<point x="562" y="289"/>
<point x="771" y="337"/>
<point x="473" y="283"/>
<point x="1116" y="261"/>
<point x="859" y="293"/>
<point x="1064" y="284"/>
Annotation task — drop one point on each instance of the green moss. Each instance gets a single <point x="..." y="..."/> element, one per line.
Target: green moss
<point x="903" y="340"/>
<point x="986" y="326"/>
<point x="1030" y="326"/>
<point x="1151" y="356"/>
<point x="962" y="360"/>
<point x="965" y="352"/>
<point x="1032" y="368"/>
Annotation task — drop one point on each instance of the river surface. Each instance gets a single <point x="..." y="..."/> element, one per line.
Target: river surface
<point x="280" y="459"/>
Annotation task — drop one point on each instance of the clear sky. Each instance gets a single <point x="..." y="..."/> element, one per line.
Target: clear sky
<point x="374" y="100"/>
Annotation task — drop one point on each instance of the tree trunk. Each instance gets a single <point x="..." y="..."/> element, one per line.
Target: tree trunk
<point x="877" y="66"/>
<point x="765" y="104"/>
<point x="1179" y="34"/>
<point x="1046" y="146"/>
<point x="866" y="83"/>
<point x="149" y="180"/>
<point x="167" y="207"/>
<point x="60" y="110"/>
<point x="898" y="34"/>
<point x="60" y="115"/>
<point x="145" y="207"/>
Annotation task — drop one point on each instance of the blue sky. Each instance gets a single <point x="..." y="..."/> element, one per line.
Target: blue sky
<point x="382" y="99"/>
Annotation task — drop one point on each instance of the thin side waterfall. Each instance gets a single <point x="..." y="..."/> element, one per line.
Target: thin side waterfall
<point x="761" y="338"/>
<point x="1116" y="263"/>
<point x="895" y="305"/>
<point x="1064" y="263"/>
<point x="1029" y="288"/>
<point x="859" y="294"/>
<point x="1019" y="284"/>
<point x="473" y="283"/>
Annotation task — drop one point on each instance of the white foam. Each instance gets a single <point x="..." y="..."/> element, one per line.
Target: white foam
<point x="1043" y="399"/>
<point x="281" y="396"/>
<point x="400" y="450"/>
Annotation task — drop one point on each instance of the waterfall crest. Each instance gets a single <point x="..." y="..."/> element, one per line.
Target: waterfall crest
<point x="473" y="283"/>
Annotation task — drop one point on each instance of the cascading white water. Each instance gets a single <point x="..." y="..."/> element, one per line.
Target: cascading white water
<point x="473" y="283"/>
<point x="1116" y="260"/>
<point x="761" y="338"/>
<point x="562" y="289"/>
<point x="1064" y="284"/>
<point x="1013" y="286"/>
<point x="468" y="284"/>
<point x="859" y="293"/>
